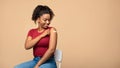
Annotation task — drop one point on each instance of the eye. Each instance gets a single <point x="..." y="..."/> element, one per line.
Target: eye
<point x="45" y="19"/>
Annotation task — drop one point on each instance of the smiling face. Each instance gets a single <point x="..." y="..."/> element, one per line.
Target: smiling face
<point x="44" y="21"/>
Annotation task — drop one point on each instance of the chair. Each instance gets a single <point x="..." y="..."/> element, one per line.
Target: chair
<point x="58" y="57"/>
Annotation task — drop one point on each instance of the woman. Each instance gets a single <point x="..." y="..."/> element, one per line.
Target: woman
<point x="43" y="40"/>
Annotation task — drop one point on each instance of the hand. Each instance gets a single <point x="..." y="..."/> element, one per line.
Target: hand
<point x="45" y="33"/>
<point x="36" y="66"/>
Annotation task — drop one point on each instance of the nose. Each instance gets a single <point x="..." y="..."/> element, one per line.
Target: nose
<point x="48" y="22"/>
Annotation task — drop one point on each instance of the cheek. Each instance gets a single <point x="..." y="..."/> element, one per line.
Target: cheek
<point x="42" y="23"/>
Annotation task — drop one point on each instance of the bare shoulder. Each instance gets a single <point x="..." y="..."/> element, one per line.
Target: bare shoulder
<point x="53" y="30"/>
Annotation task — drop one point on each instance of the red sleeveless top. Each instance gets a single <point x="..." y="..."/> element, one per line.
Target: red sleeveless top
<point x="42" y="45"/>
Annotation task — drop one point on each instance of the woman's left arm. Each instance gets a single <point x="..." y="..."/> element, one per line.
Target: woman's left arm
<point x="52" y="47"/>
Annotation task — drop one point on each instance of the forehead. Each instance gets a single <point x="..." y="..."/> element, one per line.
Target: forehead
<point x="47" y="16"/>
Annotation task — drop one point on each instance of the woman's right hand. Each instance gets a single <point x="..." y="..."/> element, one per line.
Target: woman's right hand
<point x="45" y="33"/>
<point x="29" y="43"/>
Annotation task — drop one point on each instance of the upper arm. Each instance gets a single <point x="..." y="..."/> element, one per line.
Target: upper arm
<point x="29" y="35"/>
<point x="53" y="38"/>
<point x="28" y="38"/>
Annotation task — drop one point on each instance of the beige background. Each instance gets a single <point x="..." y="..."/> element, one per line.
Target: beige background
<point x="89" y="31"/>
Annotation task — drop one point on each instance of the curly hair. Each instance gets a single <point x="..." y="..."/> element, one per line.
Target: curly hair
<point x="40" y="10"/>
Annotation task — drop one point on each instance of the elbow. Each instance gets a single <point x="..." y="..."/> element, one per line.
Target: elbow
<point x="26" y="48"/>
<point x="51" y="51"/>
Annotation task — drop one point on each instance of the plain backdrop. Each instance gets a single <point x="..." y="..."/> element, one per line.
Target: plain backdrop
<point x="88" y="31"/>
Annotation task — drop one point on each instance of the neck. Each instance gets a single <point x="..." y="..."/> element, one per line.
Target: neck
<point x="40" y="28"/>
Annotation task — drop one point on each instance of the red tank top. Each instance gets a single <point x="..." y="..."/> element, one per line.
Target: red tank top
<point x="42" y="45"/>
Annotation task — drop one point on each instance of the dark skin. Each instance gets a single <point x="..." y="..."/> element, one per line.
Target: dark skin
<point x="43" y="23"/>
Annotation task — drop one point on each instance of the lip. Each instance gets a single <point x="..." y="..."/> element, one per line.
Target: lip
<point x="45" y="26"/>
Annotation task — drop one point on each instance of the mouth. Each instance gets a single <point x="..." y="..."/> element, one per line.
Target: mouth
<point x="45" y="26"/>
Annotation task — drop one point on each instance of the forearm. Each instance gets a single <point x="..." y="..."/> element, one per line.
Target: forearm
<point x="30" y="43"/>
<point x="46" y="56"/>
